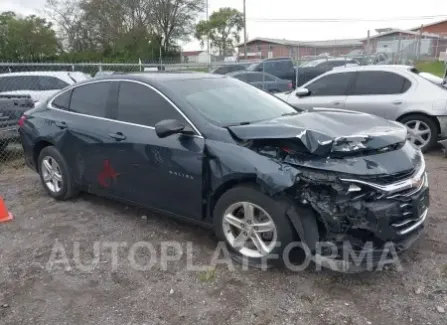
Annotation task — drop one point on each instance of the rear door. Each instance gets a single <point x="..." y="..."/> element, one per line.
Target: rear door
<point x="380" y="93"/>
<point x="81" y="123"/>
<point x="162" y="173"/>
<point x="326" y="91"/>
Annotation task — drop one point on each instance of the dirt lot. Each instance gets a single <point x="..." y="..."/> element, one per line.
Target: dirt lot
<point x="33" y="293"/>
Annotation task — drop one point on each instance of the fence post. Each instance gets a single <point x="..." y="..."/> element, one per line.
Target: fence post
<point x="419" y="44"/>
<point x="399" y="44"/>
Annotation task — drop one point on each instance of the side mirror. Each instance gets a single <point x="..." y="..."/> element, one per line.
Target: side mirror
<point x="166" y="128"/>
<point x="301" y="92"/>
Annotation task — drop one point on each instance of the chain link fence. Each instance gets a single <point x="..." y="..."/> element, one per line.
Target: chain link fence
<point x="23" y="85"/>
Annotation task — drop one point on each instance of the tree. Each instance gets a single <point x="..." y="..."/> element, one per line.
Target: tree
<point x="223" y="29"/>
<point x="173" y="20"/>
<point x="26" y="39"/>
<point x="124" y="28"/>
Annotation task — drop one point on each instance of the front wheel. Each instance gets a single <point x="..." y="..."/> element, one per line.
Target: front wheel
<point x="423" y="130"/>
<point x="253" y="225"/>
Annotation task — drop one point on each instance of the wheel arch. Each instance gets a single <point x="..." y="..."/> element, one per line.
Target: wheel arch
<point x="303" y="219"/>
<point x="433" y="118"/>
<point x="38" y="147"/>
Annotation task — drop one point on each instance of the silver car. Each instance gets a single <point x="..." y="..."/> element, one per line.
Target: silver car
<point x="395" y="92"/>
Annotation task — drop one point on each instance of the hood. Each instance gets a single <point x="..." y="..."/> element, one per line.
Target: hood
<point x="324" y="131"/>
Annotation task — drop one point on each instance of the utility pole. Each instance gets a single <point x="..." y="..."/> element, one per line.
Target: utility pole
<point x="245" y="31"/>
<point x="208" y="36"/>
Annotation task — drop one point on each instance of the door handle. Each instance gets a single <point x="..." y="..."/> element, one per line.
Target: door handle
<point x="117" y="136"/>
<point x="336" y="103"/>
<point x="61" y="125"/>
<point x="397" y="102"/>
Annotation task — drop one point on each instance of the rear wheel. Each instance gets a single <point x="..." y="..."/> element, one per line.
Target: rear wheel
<point x="55" y="174"/>
<point x="423" y="130"/>
<point x="253" y="225"/>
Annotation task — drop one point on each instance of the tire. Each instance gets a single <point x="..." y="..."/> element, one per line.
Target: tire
<point x="424" y="121"/>
<point x="67" y="188"/>
<point x="276" y="210"/>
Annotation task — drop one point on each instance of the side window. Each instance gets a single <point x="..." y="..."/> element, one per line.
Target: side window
<point x="51" y="83"/>
<point x="91" y="99"/>
<point x="19" y="83"/>
<point x="334" y="84"/>
<point x="241" y="76"/>
<point x="142" y="105"/>
<point x="254" y="77"/>
<point x="63" y="100"/>
<point x="380" y="83"/>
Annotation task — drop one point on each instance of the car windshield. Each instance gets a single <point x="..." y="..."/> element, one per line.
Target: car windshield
<point x="228" y="101"/>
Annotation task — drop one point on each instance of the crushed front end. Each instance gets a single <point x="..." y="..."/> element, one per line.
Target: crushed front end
<point x="371" y="202"/>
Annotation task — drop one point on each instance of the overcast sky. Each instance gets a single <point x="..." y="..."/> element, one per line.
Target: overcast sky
<point x="383" y="11"/>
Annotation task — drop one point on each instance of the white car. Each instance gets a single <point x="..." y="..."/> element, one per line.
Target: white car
<point x="40" y="85"/>
<point x="395" y="92"/>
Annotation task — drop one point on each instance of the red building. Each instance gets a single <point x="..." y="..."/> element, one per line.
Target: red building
<point x="269" y="47"/>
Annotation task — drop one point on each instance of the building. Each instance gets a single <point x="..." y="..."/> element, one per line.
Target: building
<point x="270" y="47"/>
<point x="406" y="44"/>
<point x="196" y="57"/>
<point x="439" y="28"/>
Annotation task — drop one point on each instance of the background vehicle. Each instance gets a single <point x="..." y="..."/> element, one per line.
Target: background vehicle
<point x="40" y="85"/>
<point x="282" y="68"/>
<point x="229" y="68"/>
<point x="263" y="81"/>
<point x="393" y="92"/>
<point x="12" y="108"/>
<point x="312" y="69"/>
<point x="232" y="157"/>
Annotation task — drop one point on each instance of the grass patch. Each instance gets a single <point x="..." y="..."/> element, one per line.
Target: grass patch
<point x="208" y="275"/>
<point x="436" y="67"/>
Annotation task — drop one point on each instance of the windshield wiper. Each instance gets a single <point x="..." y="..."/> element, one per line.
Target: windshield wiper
<point x="290" y="114"/>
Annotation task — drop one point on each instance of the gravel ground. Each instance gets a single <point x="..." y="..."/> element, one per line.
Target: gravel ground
<point x="33" y="291"/>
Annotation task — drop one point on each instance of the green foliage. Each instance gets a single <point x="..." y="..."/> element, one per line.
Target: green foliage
<point x="434" y="67"/>
<point x="223" y="28"/>
<point x="26" y="39"/>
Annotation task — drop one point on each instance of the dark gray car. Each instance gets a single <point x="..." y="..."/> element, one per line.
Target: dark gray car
<point x="263" y="80"/>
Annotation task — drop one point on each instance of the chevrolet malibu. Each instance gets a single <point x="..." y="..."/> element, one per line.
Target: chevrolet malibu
<point x="223" y="154"/>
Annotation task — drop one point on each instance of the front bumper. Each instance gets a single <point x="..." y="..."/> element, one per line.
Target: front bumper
<point x="381" y="217"/>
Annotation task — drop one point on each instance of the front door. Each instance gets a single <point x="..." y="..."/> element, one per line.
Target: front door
<point x="327" y="91"/>
<point x="162" y="173"/>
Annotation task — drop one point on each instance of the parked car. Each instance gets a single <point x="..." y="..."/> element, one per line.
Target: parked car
<point x="40" y="85"/>
<point x="233" y="158"/>
<point x="394" y="92"/>
<point x="12" y="108"/>
<point x="314" y="68"/>
<point x="262" y="80"/>
<point x="229" y="68"/>
<point x="282" y="68"/>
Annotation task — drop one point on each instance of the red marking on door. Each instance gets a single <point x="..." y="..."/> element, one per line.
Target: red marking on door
<point x="107" y="174"/>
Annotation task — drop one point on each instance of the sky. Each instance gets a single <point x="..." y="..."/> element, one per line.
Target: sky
<point x="370" y="15"/>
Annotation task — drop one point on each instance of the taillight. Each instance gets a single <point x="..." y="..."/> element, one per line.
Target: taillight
<point x="22" y="120"/>
<point x="289" y="85"/>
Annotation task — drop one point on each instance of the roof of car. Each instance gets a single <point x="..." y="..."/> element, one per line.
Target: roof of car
<point x="35" y="73"/>
<point x="378" y="67"/>
<point x="162" y="76"/>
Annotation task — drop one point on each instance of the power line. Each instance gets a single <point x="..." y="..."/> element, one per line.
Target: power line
<point x="341" y="20"/>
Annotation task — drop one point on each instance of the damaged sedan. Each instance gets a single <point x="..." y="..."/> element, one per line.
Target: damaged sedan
<point x="223" y="154"/>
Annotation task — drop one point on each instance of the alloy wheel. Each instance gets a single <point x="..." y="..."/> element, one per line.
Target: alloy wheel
<point x="51" y="174"/>
<point x="420" y="133"/>
<point x="249" y="229"/>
